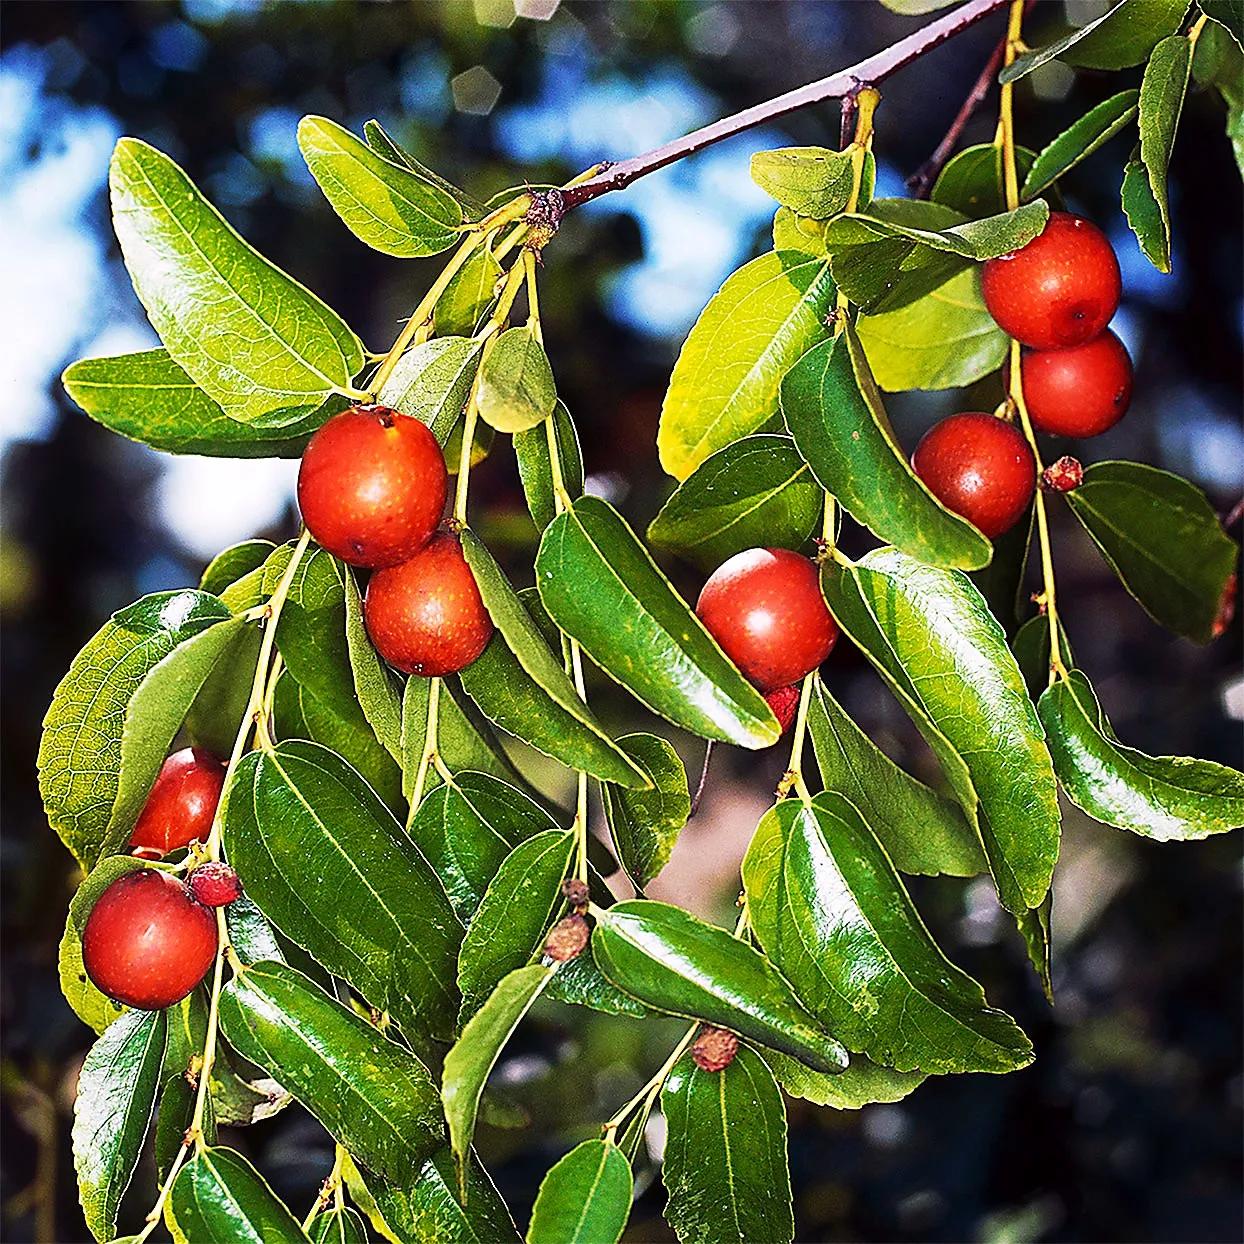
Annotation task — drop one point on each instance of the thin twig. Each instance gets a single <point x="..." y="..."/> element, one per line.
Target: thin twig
<point x="699" y="790"/>
<point x="867" y="72"/>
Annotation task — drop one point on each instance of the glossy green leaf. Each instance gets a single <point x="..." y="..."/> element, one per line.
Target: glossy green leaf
<point x="1219" y="62"/>
<point x="383" y="144"/>
<point x="1162" y="92"/>
<point x="218" y="1197"/>
<point x="546" y="672"/>
<point x="531" y="448"/>
<point x="1144" y="215"/>
<point x="1031" y="646"/>
<point x="327" y="864"/>
<point x="645" y="824"/>
<point x="229" y="565"/>
<point x="428" y="1208"/>
<point x="673" y="962"/>
<point x="1034" y="928"/>
<point x="725" y="382"/>
<point x="920" y="830"/>
<point x="943" y="340"/>
<point x="174" y="1113"/>
<point x="376" y="688"/>
<point x="602" y="588"/>
<point x="757" y="491"/>
<point x="972" y="181"/>
<point x="112" y="1112"/>
<point x="864" y="1082"/>
<point x="432" y="382"/>
<point x="834" y="917"/>
<point x="1168" y="798"/>
<point x="469" y="294"/>
<point x="147" y="397"/>
<point x="581" y="983"/>
<point x="885" y="259"/>
<point x="1228" y="13"/>
<point x="1079" y="141"/>
<point x="516" y="389"/>
<point x="471" y="1059"/>
<point x="373" y="1096"/>
<point x="1123" y="36"/>
<point x="383" y="203"/>
<point x="257" y="342"/>
<point x="725" y="1154"/>
<point x="116" y="711"/>
<point x="250" y="934"/>
<point x="1162" y="538"/>
<point x="812" y="181"/>
<point x="513" y="919"/>
<point x="833" y="410"/>
<point x="311" y="633"/>
<point x="585" y="1198"/>
<point x="467" y="828"/>
<point x="932" y="638"/>
<point x="340" y="1225"/>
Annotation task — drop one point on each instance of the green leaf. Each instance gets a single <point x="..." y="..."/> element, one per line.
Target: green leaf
<point x="112" y="1112"/>
<point x="1144" y="215"/>
<point x="251" y="337"/>
<point x="725" y="382"/>
<point x="383" y="203"/>
<point x="1034" y="928"/>
<point x="725" y="1154"/>
<point x="327" y="864"/>
<point x="581" y="983"/>
<point x="676" y="963"/>
<point x="1119" y="38"/>
<point x="298" y="714"/>
<point x="757" y="491"/>
<point x="602" y="758"/>
<point x="116" y="711"/>
<point x="467" y="828"/>
<point x="972" y="182"/>
<point x="229" y="565"/>
<point x="812" y="181"/>
<point x="921" y="831"/>
<point x="374" y="685"/>
<point x="218" y="1197"/>
<point x="311" y="633"/>
<point x="834" y="412"/>
<point x="1167" y="798"/>
<point x="469" y="294"/>
<point x="1080" y="140"/>
<point x="516" y="389"/>
<point x="883" y="260"/>
<point x="1031" y="646"/>
<point x="432" y="382"/>
<point x="792" y="232"/>
<point x="1162" y="92"/>
<point x="426" y="1207"/>
<point x="834" y="917"/>
<point x="519" y="906"/>
<point x="1162" y="538"/>
<point x="603" y="589"/>
<point x="1219" y="62"/>
<point x="932" y="638"/>
<point x="585" y="1198"/>
<point x="862" y="1084"/>
<point x="1228" y="13"/>
<point x="471" y="1059"/>
<point x="645" y="824"/>
<point x="373" y="1096"/>
<point x="945" y="339"/>
<point x="341" y="1225"/>
<point x="531" y="448"/>
<point x="148" y="398"/>
<point x="379" y="140"/>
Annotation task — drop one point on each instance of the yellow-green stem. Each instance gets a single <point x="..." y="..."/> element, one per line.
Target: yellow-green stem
<point x="429" y="747"/>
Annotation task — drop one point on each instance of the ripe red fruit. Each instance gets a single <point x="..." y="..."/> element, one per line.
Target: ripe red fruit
<point x="785" y="704"/>
<point x="214" y="884"/>
<point x="1080" y="391"/>
<point x="426" y="616"/>
<point x="1059" y="290"/>
<point x="372" y="486"/>
<point x="180" y="805"/>
<point x="980" y="467"/>
<point x="147" y="943"/>
<point x="764" y="607"/>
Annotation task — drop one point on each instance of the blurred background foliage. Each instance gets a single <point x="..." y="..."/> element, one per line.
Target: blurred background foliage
<point x="1128" y="1125"/>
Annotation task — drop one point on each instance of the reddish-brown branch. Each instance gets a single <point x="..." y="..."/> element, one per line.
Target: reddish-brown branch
<point x="868" y="72"/>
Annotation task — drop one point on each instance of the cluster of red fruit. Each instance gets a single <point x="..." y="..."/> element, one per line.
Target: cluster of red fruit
<point x="1055" y="296"/>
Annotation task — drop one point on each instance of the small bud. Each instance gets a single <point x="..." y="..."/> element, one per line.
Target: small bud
<point x="714" y="1049"/>
<point x="575" y="892"/>
<point x="214" y="884"/>
<point x="785" y="704"/>
<point x="1063" y="475"/>
<point x="567" y="939"/>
